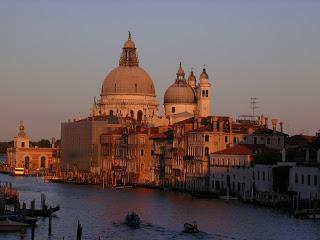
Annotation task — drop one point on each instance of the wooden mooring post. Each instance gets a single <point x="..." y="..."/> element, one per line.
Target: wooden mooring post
<point x="32" y="231"/>
<point x="50" y="222"/>
<point x="79" y="231"/>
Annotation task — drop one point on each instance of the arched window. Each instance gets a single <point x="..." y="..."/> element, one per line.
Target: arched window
<point x="111" y="113"/>
<point x="43" y="162"/>
<point x="234" y="139"/>
<point x="139" y="116"/>
<point x="27" y="162"/>
<point x="136" y="87"/>
<point x="206" y="138"/>
<point x="173" y="109"/>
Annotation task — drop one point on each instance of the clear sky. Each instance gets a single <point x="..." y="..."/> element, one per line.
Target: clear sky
<point x="54" y="56"/>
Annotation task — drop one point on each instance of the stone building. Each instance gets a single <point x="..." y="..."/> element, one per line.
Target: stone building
<point x="33" y="160"/>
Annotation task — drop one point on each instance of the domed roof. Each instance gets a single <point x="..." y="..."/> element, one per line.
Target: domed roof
<point x="204" y="74"/>
<point x="129" y="43"/>
<point x="180" y="91"/>
<point x="192" y="77"/>
<point x="128" y="80"/>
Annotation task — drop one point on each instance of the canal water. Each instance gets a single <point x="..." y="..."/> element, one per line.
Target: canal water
<point x="101" y="213"/>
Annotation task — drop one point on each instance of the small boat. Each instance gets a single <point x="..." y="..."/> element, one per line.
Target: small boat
<point x="190" y="228"/>
<point x="42" y="212"/>
<point x="20" y="219"/>
<point x="8" y="225"/>
<point x="133" y="220"/>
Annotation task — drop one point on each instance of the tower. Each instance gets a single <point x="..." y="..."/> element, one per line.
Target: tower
<point x="204" y="94"/>
<point x="22" y="140"/>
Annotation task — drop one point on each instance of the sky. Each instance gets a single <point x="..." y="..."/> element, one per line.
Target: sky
<point x="54" y="56"/>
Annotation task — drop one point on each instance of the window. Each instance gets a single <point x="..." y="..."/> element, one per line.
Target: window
<point x="258" y="175"/>
<point x="203" y="93"/>
<point x="263" y="176"/>
<point x="22" y="144"/>
<point x="234" y="140"/>
<point x="207" y="93"/>
<point x="173" y="110"/>
<point x="279" y="141"/>
<point x="255" y="140"/>
<point x="226" y="139"/>
<point x="315" y="180"/>
<point x="115" y="87"/>
<point x="111" y="113"/>
<point x="206" y="138"/>
<point x="141" y="152"/>
<point x="309" y="179"/>
<point x="296" y="178"/>
<point x="302" y="179"/>
<point x="42" y="162"/>
<point x="268" y="141"/>
<point x="253" y="175"/>
<point x="206" y="151"/>
<point x="136" y="87"/>
<point x="212" y="184"/>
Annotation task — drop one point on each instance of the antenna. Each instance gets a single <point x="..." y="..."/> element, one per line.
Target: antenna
<point x="253" y="106"/>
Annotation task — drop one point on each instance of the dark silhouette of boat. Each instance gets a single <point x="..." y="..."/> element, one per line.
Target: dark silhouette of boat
<point x="45" y="212"/>
<point x="19" y="218"/>
<point x="190" y="228"/>
<point x="133" y="220"/>
<point x="8" y="225"/>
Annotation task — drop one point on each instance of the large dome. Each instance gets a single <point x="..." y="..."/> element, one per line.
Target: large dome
<point x="180" y="92"/>
<point x="131" y="80"/>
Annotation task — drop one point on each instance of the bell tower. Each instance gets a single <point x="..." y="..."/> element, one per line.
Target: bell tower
<point x="204" y="94"/>
<point x="22" y="140"/>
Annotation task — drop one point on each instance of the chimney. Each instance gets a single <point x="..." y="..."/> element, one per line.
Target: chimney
<point x="214" y="124"/>
<point x="283" y="152"/>
<point x="281" y="127"/>
<point x="53" y="142"/>
<point x="266" y="122"/>
<point x="318" y="156"/>
<point x="230" y="124"/>
<point x="274" y="124"/>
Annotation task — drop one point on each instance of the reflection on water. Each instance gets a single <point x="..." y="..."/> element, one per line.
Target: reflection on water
<point x="102" y="212"/>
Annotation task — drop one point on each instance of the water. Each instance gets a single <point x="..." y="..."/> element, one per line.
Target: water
<point x="101" y="213"/>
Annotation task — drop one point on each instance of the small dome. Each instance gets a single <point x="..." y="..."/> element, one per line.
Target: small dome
<point x="180" y="92"/>
<point x="192" y="77"/>
<point x="204" y="74"/>
<point x="129" y="43"/>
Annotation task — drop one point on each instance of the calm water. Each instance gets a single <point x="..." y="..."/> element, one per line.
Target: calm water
<point x="102" y="211"/>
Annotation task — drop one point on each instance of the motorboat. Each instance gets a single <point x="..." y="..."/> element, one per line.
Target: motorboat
<point x="190" y="228"/>
<point x="133" y="220"/>
<point x="8" y="225"/>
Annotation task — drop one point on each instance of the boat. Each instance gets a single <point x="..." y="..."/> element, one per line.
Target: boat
<point x="190" y="228"/>
<point x="8" y="225"/>
<point x="42" y="212"/>
<point x="20" y="218"/>
<point x="308" y="213"/>
<point x="133" y="220"/>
